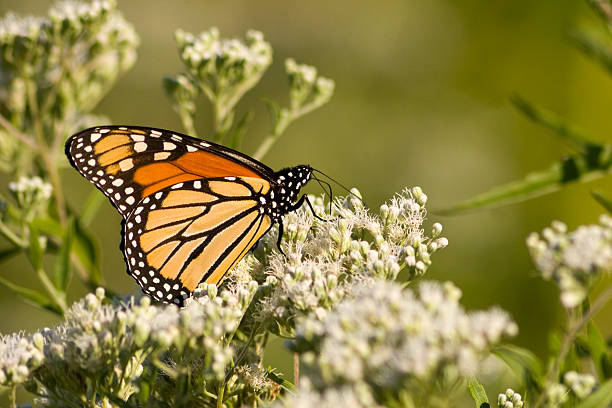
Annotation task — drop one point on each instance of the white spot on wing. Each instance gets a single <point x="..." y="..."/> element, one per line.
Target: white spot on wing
<point x="169" y="146"/>
<point x="126" y="164"/>
<point x="161" y="155"/>
<point x="140" y="147"/>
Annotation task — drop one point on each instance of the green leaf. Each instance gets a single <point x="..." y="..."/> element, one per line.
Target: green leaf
<point x="86" y="250"/>
<point x="286" y="384"/>
<point x="275" y="111"/>
<point x="604" y="201"/>
<point x="603" y="8"/>
<point x="238" y="133"/>
<point x="6" y="254"/>
<point x="599" y="351"/>
<point x="600" y="398"/>
<point x="595" y="46"/>
<point x="62" y="267"/>
<point x="478" y="393"/>
<point x="48" y="226"/>
<point x="91" y="207"/>
<point x="569" y="169"/>
<point x="32" y="297"/>
<point x="555" y="123"/>
<point x="523" y="363"/>
<point x="35" y="251"/>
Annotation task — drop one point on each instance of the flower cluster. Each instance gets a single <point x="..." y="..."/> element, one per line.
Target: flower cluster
<point x="223" y="69"/>
<point x="575" y="387"/>
<point x="306" y="89"/>
<point x="64" y="63"/>
<point x="510" y="399"/>
<point x="32" y="195"/>
<point x="391" y="341"/>
<point x="324" y="258"/>
<point x="19" y="357"/>
<point x="573" y="259"/>
<point x="580" y="384"/>
<point x="331" y="398"/>
<point x="112" y="349"/>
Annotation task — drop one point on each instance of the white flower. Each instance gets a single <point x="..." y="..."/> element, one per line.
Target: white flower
<point x="573" y="259"/>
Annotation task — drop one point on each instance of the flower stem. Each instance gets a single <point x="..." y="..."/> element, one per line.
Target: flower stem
<point x="13" y="396"/>
<point x="296" y="370"/>
<point x="11" y="236"/>
<point x="220" y="395"/>
<point x="569" y="338"/>
<point x="6" y="124"/>
<point x="46" y="155"/>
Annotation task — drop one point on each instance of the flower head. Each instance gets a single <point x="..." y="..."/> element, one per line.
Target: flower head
<point x="573" y="259"/>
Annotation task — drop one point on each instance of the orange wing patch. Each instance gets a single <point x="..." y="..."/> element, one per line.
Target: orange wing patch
<point x="177" y="262"/>
<point x="187" y="197"/>
<point x="229" y="189"/>
<point x="207" y="164"/>
<point x="159" y="255"/>
<point x="240" y="249"/>
<point x="151" y="239"/>
<point x="165" y="216"/>
<point x="218" y="214"/>
<point x="193" y="273"/>
<point x="190" y="166"/>
<point x="110" y="142"/>
<point x="114" y="155"/>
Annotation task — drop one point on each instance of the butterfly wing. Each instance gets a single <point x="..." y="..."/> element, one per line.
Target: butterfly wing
<point x="191" y="208"/>
<point x="130" y="163"/>
<point x="192" y="232"/>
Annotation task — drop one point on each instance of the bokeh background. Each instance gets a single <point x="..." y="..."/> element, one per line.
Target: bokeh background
<point x="422" y="98"/>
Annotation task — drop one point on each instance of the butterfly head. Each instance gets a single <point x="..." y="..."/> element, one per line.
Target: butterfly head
<point x="289" y="183"/>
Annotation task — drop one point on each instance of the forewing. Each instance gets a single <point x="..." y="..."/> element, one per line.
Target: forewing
<point x="130" y="163"/>
<point x="191" y="232"/>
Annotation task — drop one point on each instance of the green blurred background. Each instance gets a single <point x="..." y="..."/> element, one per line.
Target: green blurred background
<point x="422" y="89"/>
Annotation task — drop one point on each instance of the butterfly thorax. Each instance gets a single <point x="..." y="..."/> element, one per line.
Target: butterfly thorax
<point x="284" y="194"/>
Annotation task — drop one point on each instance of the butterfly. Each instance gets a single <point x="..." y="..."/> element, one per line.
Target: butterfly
<point x="191" y="209"/>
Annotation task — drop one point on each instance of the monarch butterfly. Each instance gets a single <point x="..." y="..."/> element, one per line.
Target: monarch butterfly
<point x="191" y="209"/>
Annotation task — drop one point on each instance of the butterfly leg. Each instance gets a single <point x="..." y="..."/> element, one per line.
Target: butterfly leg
<point x="299" y="203"/>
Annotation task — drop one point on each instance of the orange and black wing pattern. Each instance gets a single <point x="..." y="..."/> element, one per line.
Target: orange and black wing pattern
<point x="192" y="232"/>
<point x="191" y="209"/>
<point x="130" y="163"/>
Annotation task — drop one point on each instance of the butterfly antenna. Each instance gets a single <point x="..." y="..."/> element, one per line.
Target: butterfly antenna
<point x="321" y="182"/>
<point x="339" y="184"/>
<point x="331" y="196"/>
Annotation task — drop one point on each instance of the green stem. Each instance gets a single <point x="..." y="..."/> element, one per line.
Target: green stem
<point x="171" y="372"/>
<point x="6" y="124"/>
<point x="220" y="115"/>
<point x="46" y="155"/>
<point x="11" y="236"/>
<point x="220" y="395"/>
<point x="58" y="297"/>
<point x="569" y="338"/>
<point x="13" y="396"/>
<point x="296" y="370"/>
